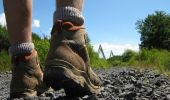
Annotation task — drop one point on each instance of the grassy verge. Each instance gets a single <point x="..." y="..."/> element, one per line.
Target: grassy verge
<point x="154" y="59"/>
<point x="95" y="60"/>
<point x="5" y="62"/>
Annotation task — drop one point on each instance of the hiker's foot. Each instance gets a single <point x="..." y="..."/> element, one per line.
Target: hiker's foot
<point x="67" y="64"/>
<point x="27" y="76"/>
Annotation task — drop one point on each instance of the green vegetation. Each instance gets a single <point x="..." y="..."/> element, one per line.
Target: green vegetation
<point x="155" y="45"/>
<point x="42" y="46"/>
<point x="155" y="59"/>
<point x="95" y="60"/>
<point x="155" y="31"/>
<point x="5" y="62"/>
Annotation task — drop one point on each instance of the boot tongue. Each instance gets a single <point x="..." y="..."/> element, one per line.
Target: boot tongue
<point x="71" y="27"/>
<point x="67" y="25"/>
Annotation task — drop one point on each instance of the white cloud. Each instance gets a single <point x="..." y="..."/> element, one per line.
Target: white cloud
<point x="36" y="23"/>
<point x="2" y="19"/>
<point x="116" y="48"/>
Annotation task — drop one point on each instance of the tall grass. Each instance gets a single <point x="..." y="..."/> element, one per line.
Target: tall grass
<point x="154" y="59"/>
<point x="42" y="47"/>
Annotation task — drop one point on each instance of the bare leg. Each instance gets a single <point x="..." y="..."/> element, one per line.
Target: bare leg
<point x="26" y="73"/>
<point x="19" y="17"/>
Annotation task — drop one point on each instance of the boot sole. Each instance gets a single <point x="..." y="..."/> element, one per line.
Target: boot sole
<point x="63" y="75"/>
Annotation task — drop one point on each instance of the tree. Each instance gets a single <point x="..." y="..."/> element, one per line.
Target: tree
<point x="155" y="31"/>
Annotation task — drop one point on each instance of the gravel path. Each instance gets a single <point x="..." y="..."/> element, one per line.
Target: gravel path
<point x="119" y="84"/>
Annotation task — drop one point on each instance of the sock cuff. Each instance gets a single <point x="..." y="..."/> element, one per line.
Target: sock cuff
<point x="69" y="13"/>
<point x="20" y="48"/>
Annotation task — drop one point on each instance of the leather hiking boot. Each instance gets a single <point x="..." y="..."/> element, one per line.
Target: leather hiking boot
<point x="27" y="76"/>
<point x="67" y="64"/>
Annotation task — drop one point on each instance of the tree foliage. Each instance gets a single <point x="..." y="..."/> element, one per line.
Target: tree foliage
<point x="155" y="31"/>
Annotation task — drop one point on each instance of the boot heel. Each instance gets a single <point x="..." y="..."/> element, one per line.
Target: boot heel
<point x="60" y="77"/>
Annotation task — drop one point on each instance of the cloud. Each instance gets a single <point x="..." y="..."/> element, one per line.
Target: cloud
<point x="36" y="23"/>
<point x="2" y="19"/>
<point x="116" y="48"/>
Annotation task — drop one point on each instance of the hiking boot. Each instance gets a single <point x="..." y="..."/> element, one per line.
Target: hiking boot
<point x="67" y="64"/>
<point x="27" y="76"/>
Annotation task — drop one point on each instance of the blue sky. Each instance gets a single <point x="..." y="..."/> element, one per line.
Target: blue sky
<point x="108" y="22"/>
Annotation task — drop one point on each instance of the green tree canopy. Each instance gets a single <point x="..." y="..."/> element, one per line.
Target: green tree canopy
<point x="155" y="31"/>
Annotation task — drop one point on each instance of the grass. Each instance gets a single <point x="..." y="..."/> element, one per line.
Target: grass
<point x="5" y="62"/>
<point x="95" y="60"/>
<point x="158" y="60"/>
<point x="42" y="47"/>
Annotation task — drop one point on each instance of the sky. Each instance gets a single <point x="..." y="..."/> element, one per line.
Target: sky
<point x="110" y="23"/>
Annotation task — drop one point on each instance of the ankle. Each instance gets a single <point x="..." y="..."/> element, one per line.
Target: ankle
<point x="21" y="49"/>
<point x="24" y="56"/>
<point x="70" y="14"/>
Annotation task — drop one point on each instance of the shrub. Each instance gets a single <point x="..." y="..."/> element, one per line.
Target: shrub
<point x="127" y="55"/>
<point x="115" y="60"/>
<point x="157" y="59"/>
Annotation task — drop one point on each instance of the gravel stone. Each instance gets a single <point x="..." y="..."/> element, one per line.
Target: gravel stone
<point x="119" y="84"/>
